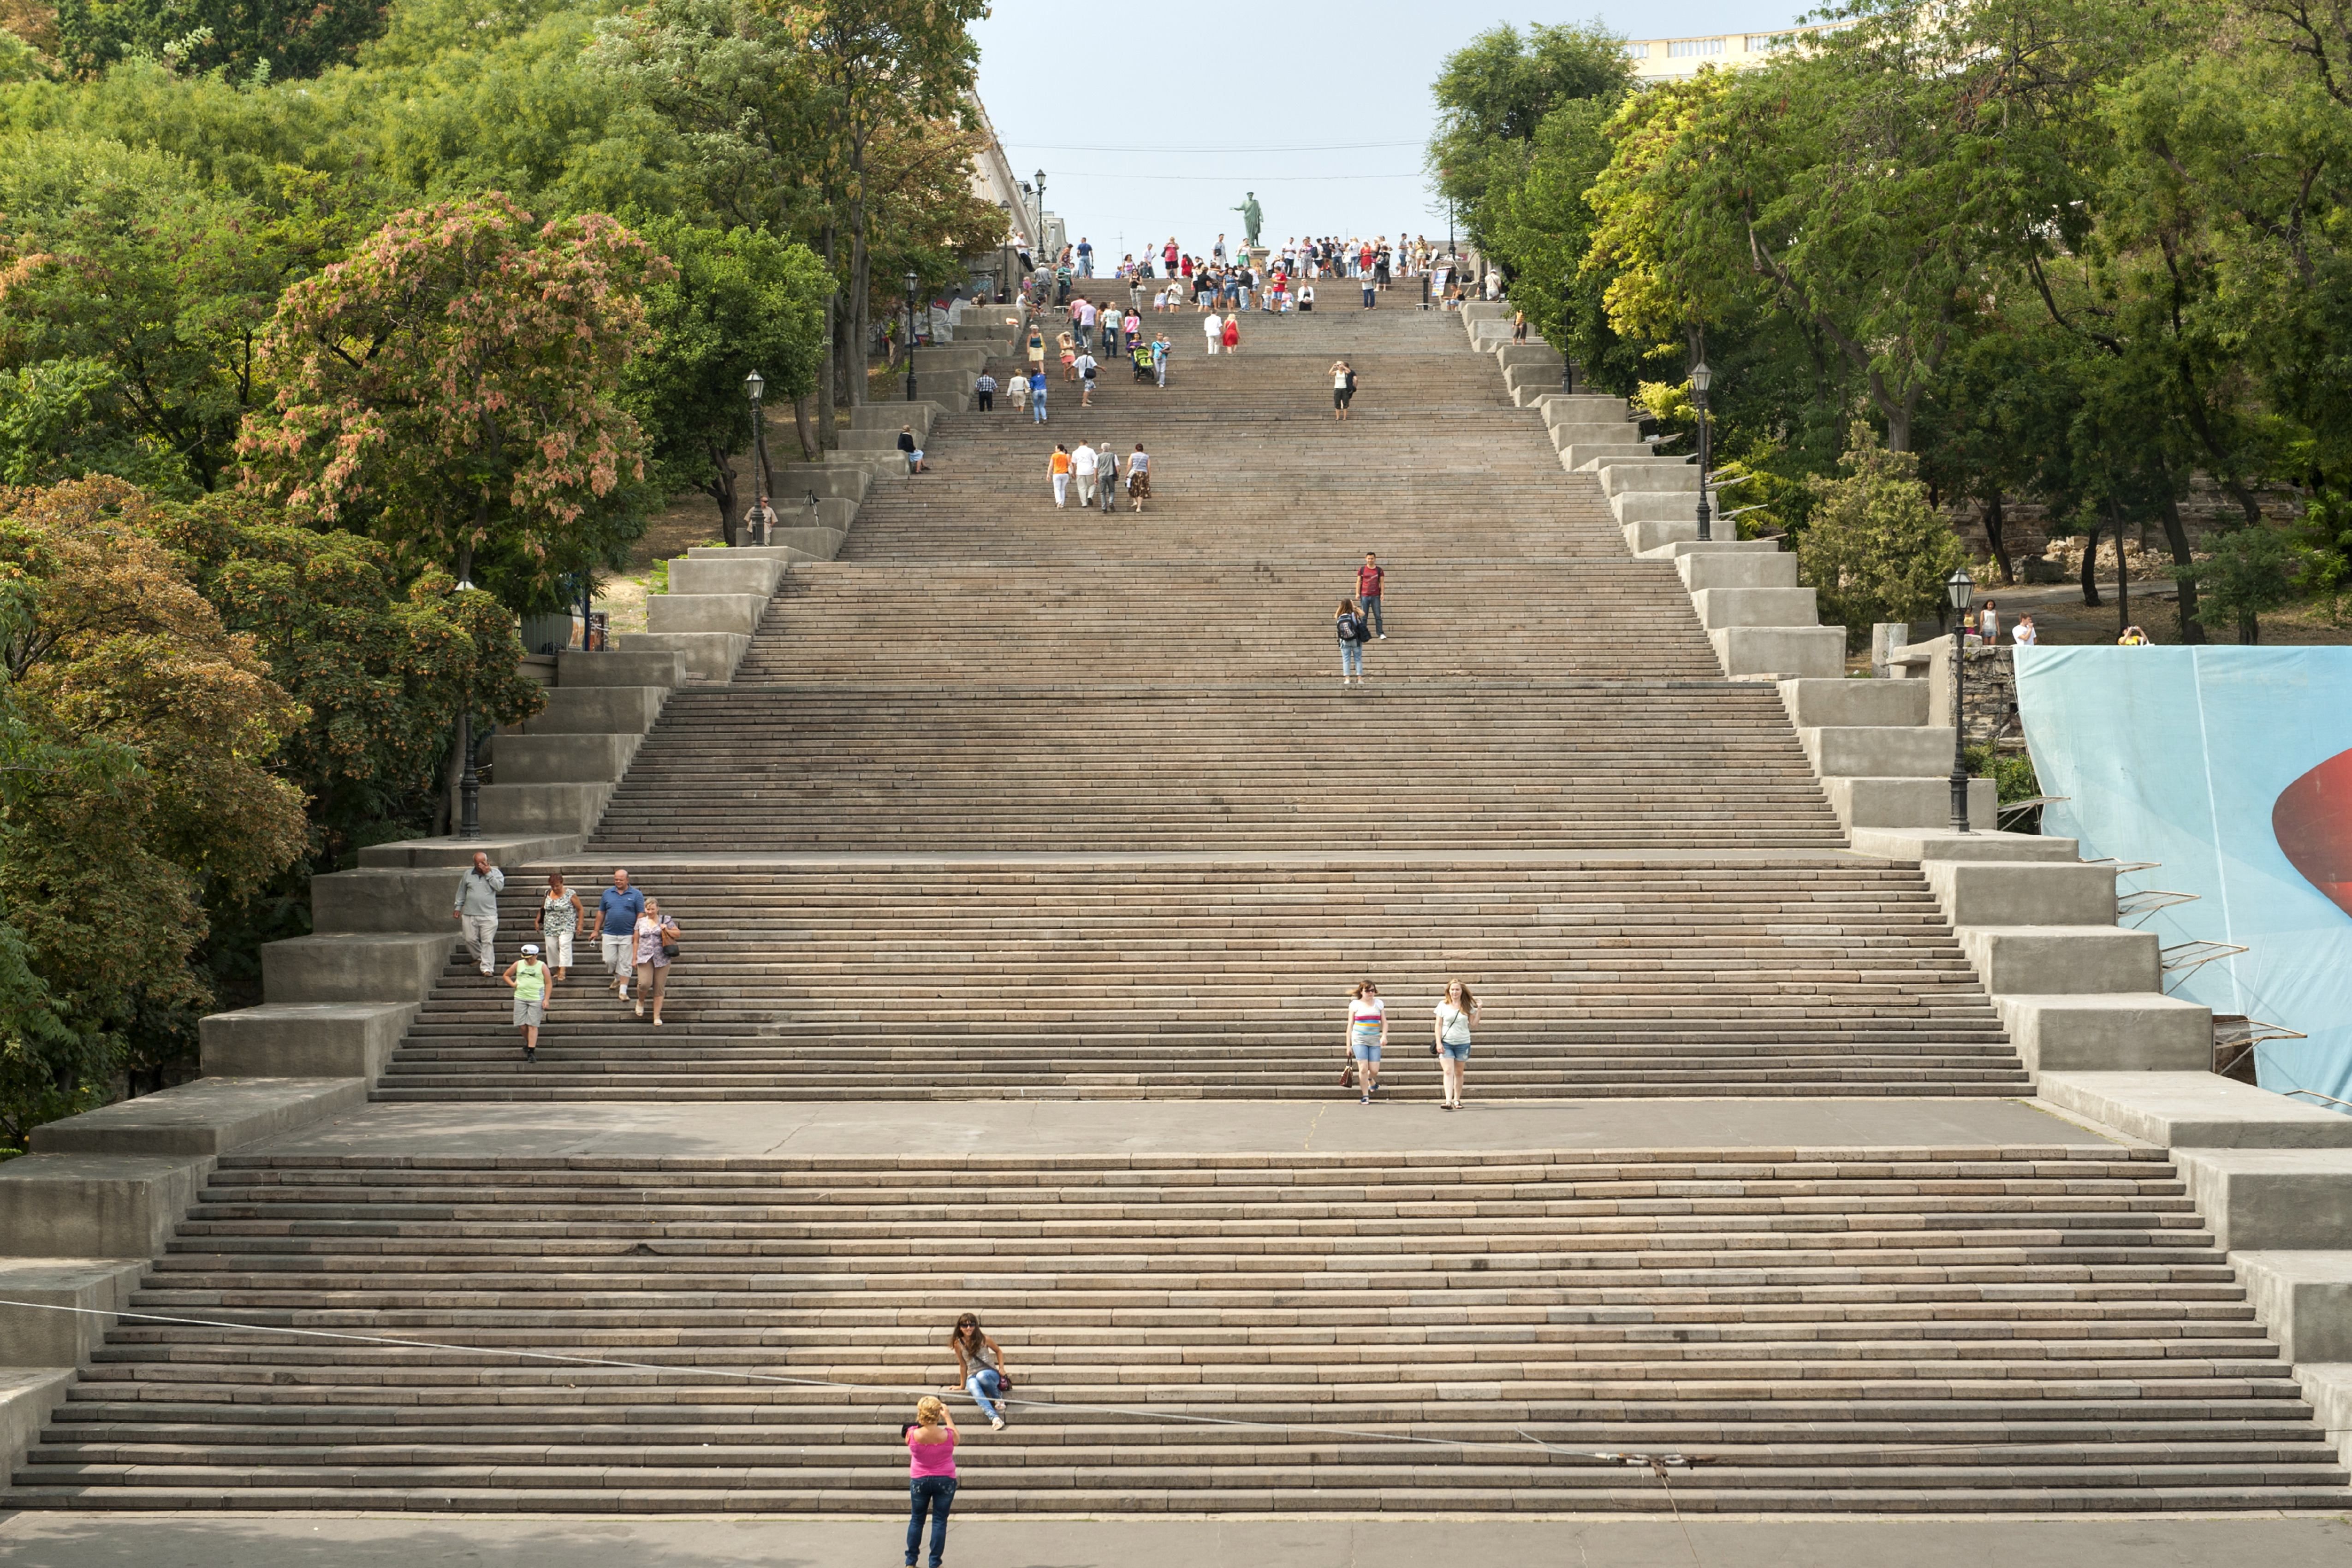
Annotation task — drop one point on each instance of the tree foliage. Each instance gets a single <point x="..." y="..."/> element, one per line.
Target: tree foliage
<point x="1873" y="549"/>
<point x="450" y="390"/>
<point x="156" y="796"/>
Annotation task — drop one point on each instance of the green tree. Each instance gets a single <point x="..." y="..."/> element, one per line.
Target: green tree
<point x="1873" y="549"/>
<point x="738" y="301"/>
<point x="1494" y="95"/>
<point x="378" y="669"/>
<point x="451" y="390"/>
<point x="2247" y="573"/>
<point x="107" y="864"/>
<point x="264" y="38"/>
<point x="122" y="258"/>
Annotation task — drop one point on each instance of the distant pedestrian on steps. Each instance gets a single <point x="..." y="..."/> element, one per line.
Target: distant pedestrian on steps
<point x="617" y="919"/>
<point x="1450" y="1038"/>
<point x="1139" y="477"/>
<point x="1368" y="1032"/>
<point x="1059" y="467"/>
<point x="1369" y="578"/>
<point x="476" y="910"/>
<point x="1351" y="628"/>
<point x="1088" y="370"/>
<point x="1212" y="326"/>
<point x="527" y="978"/>
<point x="657" y="942"/>
<point x="1370" y="286"/>
<point x="1343" y="388"/>
<point x="1083" y="466"/>
<point x="1161" y="347"/>
<point x="911" y="448"/>
<point x="1038" y="394"/>
<point x="1234" y="333"/>
<point x="984" y="392"/>
<point x="1107" y="476"/>
<point x="930" y="1476"/>
<point x="1017" y="383"/>
<point x="557" y="921"/>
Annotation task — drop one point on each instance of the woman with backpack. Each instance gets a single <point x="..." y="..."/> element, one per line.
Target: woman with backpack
<point x="1350" y="625"/>
<point x="1368" y="1031"/>
<point x="1450" y="1040"/>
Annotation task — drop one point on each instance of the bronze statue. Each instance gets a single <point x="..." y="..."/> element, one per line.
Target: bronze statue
<point x="1252" y="217"/>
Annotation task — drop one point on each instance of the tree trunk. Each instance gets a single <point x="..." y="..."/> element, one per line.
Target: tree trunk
<point x="445" y="809"/>
<point x="1992" y="516"/>
<point x="2175" y="538"/>
<point x="720" y="488"/>
<point x="827" y="383"/>
<point x="2090" y="567"/>
<point x="2249" y="628"/>
<point x="800" y="428"/>
<point x="2123" y="584"/>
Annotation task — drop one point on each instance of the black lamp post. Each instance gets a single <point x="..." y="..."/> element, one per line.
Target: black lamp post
<point x="1959" y="589"/>
<point x="913" y="283"/>
<point x="755" y="384"/>
<point x="1043" y="247"/>
<point x="1567" y="369"/>
<point x="1700" y="379"/>
<point x="470" y="783"/>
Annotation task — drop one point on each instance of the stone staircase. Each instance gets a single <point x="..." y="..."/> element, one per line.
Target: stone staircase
<point x="1971" y="1329"/>
<point x="982" y="800"/>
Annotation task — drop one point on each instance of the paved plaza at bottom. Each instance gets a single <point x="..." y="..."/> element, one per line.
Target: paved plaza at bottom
<point x="306" y="1540"/>
<point x="1406" y="1120"/>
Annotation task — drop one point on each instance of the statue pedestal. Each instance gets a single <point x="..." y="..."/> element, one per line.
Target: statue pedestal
<point x="1257" y="255"/>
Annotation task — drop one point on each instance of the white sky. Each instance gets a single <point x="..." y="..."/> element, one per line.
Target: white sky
<point x="1152" y="121"/>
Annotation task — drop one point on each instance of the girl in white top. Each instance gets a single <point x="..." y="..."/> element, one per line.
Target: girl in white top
<point x="1368" y="1031"/>
<point x="1450" y="1039"/>
<point x="1214" y="326"/>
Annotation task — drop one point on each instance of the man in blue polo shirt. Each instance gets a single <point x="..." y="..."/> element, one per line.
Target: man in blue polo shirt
<point x="616" y="923"/>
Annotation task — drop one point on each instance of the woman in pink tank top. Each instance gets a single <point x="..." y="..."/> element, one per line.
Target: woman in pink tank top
<point x="931" y="1476"/>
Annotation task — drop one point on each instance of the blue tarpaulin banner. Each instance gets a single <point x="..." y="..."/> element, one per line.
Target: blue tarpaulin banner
<point x="2232" y="768"/>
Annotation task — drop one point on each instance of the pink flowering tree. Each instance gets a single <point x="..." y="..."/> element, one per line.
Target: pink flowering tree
<point x="449" y="391"/>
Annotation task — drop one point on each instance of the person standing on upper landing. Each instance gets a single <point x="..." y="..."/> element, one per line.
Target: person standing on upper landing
<point x="476" y="910"/>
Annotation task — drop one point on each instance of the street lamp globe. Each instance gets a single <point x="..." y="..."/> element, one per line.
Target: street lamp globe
<point x="1701" y="378"/>
<point x="1960" y="588"/>
<point x="755" y="384"/>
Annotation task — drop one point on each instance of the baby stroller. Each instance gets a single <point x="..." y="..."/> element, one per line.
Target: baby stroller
<point x="1142" y="361"/>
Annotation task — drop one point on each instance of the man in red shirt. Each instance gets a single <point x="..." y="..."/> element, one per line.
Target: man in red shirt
<point x="1368" y="594"/>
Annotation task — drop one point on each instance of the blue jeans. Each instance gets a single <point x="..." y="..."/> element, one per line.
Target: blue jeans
<point x="933" y="1495"/>
<point x="1037" y="402"/>
<point x="987" y="1384"/>
<point x="1352" y="659"/>
<point x="1371" y="606"/>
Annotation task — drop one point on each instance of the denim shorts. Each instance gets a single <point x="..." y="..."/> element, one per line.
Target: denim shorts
<point x="1460" y="1053"/>
<point x="1365" y="1053"/>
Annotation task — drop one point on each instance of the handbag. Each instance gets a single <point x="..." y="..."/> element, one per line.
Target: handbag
<point x="1348" y="1073"/>
<point x="668" y="947"/>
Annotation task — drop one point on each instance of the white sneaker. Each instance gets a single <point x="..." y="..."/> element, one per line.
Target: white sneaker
<point x="996" y="1423"/>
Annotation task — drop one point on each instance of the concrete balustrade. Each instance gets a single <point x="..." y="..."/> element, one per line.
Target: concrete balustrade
<point x="1994" y="893"/>
<point x="1779" y="652"/>
<point x="1704" y="570"/>
<point x="1720" y="607"/>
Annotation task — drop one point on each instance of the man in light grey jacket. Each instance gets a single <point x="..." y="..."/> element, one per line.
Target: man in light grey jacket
<point x="476" y="909"/>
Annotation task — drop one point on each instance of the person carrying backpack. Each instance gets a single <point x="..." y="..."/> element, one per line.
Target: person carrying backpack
<point x="1352" y="637"/>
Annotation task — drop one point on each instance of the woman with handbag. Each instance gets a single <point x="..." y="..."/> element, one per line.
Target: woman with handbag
<point x="1368" y="1031"/>
<point x="657" y="936"/>
<point x="980" y="1367"/>
<point x="1450" y="1041"/>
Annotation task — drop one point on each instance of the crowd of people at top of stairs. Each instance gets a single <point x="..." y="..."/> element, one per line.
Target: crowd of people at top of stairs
<point x="1282" y="279"/>
<point x="635" y="942"/>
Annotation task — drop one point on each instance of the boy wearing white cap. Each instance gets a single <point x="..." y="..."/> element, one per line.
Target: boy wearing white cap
<point x="528" y="975"/>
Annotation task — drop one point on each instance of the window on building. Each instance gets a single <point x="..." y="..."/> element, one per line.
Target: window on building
<point x="1681" y="49"/>
<point x="1637" y="51"/>
<point x="1760" y="43"/>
